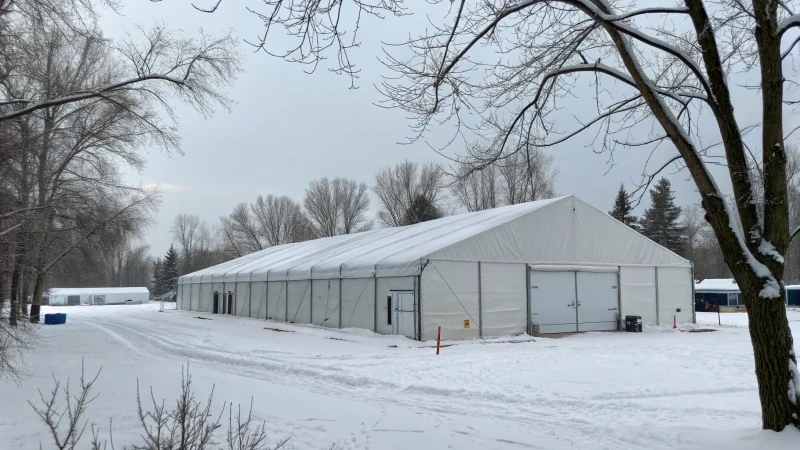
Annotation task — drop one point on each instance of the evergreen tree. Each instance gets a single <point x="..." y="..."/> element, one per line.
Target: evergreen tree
<point x="660" y="221"/>
<point x="169" y="271"/>
<point x="157" y="283"/>
<point x="622" y="209"/>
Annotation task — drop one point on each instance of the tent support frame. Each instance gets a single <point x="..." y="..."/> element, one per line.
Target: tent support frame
<point x="375" y="299"/>
<point x="418" y="300"/>
<point x="694" y="296"/>
<point x="480" y="303"/>
<point x="528" y="323"/>
<point x="619" y="298"/>
<point x="658" y="318"/>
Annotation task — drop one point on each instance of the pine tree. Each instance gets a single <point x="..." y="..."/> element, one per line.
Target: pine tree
<point x="622" y="209"/>
<point x="157" y="283"/>
<point x="169" y="271"/>
<point x="660" y="221"/>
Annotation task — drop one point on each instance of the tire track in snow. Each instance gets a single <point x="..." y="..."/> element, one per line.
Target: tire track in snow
<point x="547" y="413"/>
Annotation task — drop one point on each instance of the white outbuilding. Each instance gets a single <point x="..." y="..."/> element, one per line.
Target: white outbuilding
<point x="98" y="296"/>
<point x="559" y="263"/>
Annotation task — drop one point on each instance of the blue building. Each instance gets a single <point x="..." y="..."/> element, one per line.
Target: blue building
<point x="793" y="295"/>
<point x="725" y="293"/>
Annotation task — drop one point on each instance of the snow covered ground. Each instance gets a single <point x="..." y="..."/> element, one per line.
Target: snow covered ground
<point x="659" y="389"/>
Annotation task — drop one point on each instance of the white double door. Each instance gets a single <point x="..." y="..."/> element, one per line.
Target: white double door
<point x="563" y="302"/>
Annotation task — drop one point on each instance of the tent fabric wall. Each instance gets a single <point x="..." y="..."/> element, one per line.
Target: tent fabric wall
<point x="449" y="297"/>
<point x="242" y="299"/>
<point x="503" y="299"/>
<point x="276" y="300"/>
<point x="186" y="292"/>
<point x="258" y="299"/>
<point x="325" y="303"/>
<point x="179" y="297"/>
<point x="194" y="297"/>
<point x="385" y="288"/>
<point x="674" y="293"/>
<point x="299" y="301"/>
<point x="638" y="293"/>
<point x="358" y="303"/>
<point x="206" y="298"/>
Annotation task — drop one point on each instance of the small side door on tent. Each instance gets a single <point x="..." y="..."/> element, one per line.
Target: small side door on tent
<point x="403" y="308"/>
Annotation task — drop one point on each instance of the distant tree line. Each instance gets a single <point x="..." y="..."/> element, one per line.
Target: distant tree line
<point x="407" y="193"/>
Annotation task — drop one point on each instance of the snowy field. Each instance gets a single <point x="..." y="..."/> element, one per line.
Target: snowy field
<point x="659" y="389"/>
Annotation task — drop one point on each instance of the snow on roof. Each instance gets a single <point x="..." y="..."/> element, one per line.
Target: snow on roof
<point x="103" y="290"/>
<point x="717" y="284"/>
<point x="569" y="231"/>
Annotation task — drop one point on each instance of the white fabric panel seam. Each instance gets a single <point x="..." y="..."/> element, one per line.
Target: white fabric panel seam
<point x="573" y="268"/>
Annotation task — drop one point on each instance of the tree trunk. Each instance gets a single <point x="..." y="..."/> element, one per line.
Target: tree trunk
<point x="772" y="349"/>
<point x="36" y="302"/>
<point x="26" y="292"/>
<point x="13" y="313"/>
<point x="2" y="286"/>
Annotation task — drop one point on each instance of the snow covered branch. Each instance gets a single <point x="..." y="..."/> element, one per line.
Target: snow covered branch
<point x="787" y="23"/>
<point x="84" y="95"/>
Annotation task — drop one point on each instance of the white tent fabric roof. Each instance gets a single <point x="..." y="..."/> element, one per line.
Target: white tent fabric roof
<point x="107" y="290"/>
<point x="562" y="230"/>
<point x="717" y="284"/>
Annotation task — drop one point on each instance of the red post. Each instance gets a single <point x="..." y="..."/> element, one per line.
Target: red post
<point x="438" y="339"/>
<point x="674" y="321"/>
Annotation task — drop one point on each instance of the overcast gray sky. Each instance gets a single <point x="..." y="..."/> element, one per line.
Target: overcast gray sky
<point x="288" y="128"/>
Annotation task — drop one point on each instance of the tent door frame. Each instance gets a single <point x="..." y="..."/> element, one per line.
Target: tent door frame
<point x="404" y="319"/>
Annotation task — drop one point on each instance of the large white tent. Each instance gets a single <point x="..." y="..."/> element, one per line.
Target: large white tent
<point x="558" y="263"/>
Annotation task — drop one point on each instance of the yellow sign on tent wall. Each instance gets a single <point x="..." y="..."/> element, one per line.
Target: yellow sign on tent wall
<point x="466" y="324"/>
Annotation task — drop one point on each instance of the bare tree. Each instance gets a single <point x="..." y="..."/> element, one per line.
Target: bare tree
<point x="198" y="243"/>
<point x="528" y="175"/>
<point x="280" y="219"/>
<point x="670" y="65"/>
<point x="163" y="65"/>
<point x="477" y="190"/>
<point x="322" y="202"/>
<point x="405" y="185"/>
<point x="66" y="433"/>
<point x="188" y="425"/>
<point x="353" y="206"/>
<point x="337" y="206"/>
<point x="186" y="230"/>
<point x="244" y="228"/>
<point x="692" y="223"/>
<point x="523" y="175"/>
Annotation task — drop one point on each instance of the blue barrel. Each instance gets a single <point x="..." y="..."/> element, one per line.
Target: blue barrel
<point x="55" y="319"/>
